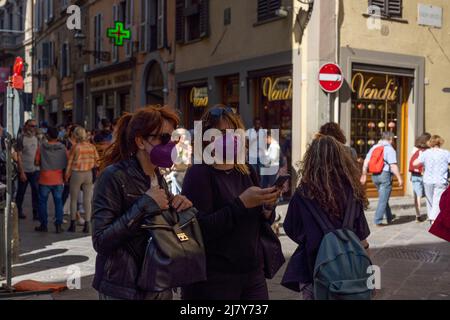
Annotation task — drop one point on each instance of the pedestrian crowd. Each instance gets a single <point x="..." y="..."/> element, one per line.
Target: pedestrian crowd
<point x="217" y="217"/>
<point x="61" y="161"/>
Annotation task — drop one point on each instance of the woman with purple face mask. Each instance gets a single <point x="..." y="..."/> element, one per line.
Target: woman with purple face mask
<point x="232" y="208"/>
<point x="129" y="190"/>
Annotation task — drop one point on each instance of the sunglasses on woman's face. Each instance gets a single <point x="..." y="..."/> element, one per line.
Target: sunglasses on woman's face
<point x="165" y="138"/>
<point x="219" y="112"/>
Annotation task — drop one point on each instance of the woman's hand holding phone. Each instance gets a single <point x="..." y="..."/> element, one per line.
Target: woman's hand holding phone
<point x="255" y="197"/>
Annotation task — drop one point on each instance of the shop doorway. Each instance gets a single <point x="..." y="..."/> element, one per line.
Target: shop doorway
<point x="230" y="92"/>
<point x="380" y="103"/>
<point x="273" y="106"/>
<point x="79" y="102"/>
<point x="124" y="103"/>
<point x="155" y="85"/>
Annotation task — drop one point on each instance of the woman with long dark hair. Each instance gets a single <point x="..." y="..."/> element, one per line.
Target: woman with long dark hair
<point x="232" y="208"/>
<point x="127" y="191"/>
<point x="329" y="177"/>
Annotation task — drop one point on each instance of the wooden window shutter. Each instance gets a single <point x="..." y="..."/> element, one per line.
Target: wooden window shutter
<point x="267" y="8"/>
<point x="204" y="18"/>
<point x="394" y="8"/>
<point x="180" y="21"/>
<point x="389" y="8"/>
<point x="380" y="4"/>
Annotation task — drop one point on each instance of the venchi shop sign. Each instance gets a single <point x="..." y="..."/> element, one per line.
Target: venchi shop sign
<point x="277" y="89"/>
<point x="199" y="97"/>
<point x="363" y="87"/>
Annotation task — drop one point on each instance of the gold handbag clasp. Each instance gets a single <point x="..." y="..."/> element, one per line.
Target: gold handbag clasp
<point x="182" y="237"/>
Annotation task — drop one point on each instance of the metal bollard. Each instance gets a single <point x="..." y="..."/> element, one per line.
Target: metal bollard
<point x="15" y="241"/>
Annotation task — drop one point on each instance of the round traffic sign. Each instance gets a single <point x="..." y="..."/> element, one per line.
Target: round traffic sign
<point x="330" y="77"/>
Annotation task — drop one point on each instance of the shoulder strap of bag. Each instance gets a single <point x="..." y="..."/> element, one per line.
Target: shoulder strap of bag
<point x="350" y="210"/>
<point x="319" y="216"/>
<point x="169" y="216"/>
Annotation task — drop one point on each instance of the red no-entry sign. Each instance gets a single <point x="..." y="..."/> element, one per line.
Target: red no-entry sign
<point x="330" y="77"/>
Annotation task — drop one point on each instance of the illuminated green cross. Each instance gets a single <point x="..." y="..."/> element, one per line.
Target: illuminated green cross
<point x="118" y="33"/>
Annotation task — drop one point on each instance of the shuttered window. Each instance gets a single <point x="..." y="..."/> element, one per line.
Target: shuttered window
<point x="48" y="56"/>
<point x="180" y="21"/>
<point x="267" y="8"/>
<point x="97" y="37"/>
<point x="192" y="20"/>
<point x="65" y="60"/>
<point x="143" y="32"/>
<point x="388" y="8"/>
<point x="128" y="24"/>
<point x="161" y="24"/>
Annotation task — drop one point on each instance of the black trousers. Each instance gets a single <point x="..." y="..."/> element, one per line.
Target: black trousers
<point x="221" y="286"/>
<point x="32" y="179"/>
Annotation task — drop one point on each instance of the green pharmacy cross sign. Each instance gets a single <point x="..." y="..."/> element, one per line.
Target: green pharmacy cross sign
<point x="118" y="33"/>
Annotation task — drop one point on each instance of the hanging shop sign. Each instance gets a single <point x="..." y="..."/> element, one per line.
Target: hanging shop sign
<point x="68" y="105"/>
<point x="199" y="97"/>
<point x="363" y="87"/>
<point x="277" y="89"/>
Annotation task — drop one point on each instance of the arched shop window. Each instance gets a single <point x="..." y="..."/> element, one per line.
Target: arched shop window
<point x="155" y="85"/>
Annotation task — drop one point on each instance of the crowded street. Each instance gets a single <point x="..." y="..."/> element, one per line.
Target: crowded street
<point x="405" y="251"/>
<point x="238" y="158"/>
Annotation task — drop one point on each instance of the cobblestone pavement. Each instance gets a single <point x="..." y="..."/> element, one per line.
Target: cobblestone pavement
<point x="414" y="264"/>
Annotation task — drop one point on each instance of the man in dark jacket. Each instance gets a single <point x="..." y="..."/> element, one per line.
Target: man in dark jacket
<point x="52" y="158"/>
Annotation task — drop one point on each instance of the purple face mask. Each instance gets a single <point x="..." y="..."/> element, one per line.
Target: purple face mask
<point x="161" y="155"/>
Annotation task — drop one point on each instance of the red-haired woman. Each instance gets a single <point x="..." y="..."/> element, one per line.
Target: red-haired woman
<point x="126" y="192"/>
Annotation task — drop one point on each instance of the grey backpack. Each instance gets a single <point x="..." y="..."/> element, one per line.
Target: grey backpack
<point x="341" y="267"/>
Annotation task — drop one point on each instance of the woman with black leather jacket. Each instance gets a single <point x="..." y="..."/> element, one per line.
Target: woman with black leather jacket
<point x="126" y="193"/>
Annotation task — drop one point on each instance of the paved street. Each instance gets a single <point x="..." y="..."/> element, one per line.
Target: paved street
<point x="414" y="264"/>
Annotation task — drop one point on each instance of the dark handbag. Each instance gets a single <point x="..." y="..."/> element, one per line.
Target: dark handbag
<point x="175" y="254"/>
<point x="271" y="245"/>
<point x="272" y="251"/>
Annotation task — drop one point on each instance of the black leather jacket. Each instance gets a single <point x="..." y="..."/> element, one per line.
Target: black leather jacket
<point x="119" y="205"/>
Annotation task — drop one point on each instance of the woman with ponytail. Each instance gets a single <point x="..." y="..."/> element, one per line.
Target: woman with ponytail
<point x="127" y="192"/>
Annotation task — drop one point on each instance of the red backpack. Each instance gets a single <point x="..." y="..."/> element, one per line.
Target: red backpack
<point x="415" y="169"/>
<point x="376" y="162"/>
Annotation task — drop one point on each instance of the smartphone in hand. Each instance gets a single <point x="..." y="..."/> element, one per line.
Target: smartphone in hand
<point x="281" y="180"/>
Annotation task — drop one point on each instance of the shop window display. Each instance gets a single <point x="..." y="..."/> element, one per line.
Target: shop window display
<point x="376" y="107"/>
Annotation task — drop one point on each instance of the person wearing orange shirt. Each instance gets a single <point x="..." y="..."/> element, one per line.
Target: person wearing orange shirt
<point x="51" y="156"/>
<point x="83" y="158"/>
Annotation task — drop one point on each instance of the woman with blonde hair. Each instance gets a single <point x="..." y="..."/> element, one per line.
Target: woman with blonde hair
<point x="82" y="159"/>
<point x="435" y="178"/>
<point x="232" y="209"/>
